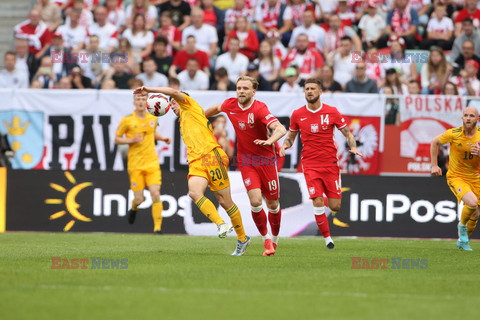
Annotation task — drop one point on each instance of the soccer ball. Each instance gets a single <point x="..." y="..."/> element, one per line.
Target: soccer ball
<point x="158" y="104"/>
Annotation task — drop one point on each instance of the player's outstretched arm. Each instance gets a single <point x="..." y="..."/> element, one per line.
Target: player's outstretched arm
<point x="434" y="147"/>
<point x="352" y="143"/>
<point x="175" y="94"/>
<point x="278" y="132"/>
<point x="288" y="142"/>
<point x="213" y="110"/>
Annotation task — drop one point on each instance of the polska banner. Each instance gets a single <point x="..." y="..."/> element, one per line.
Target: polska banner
<point x="75" y="129"/>
<point x="423" y="117"/>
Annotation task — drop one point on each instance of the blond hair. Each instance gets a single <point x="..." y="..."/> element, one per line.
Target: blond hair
<point x="247" y="78"/>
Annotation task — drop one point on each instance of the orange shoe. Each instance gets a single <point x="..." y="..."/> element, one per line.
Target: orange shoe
<point x="269" y="249"/>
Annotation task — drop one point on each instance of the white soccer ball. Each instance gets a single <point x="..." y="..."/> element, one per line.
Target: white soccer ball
<point x="158" y="104"/>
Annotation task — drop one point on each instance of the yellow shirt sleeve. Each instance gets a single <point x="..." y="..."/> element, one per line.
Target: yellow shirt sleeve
<point x="446" y="137"/>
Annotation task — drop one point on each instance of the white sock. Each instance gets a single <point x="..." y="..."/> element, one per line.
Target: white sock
<point x="275" y="239"/>
<point x="328" y="240"/>
<point x="461" y="224"/>
<point x="267" y="236"/>
<point x="318" y="210"/>
<point x="256" y="209"/>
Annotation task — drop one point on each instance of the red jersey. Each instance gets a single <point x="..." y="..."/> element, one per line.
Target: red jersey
<point x="462" y="14"/>
<point x="316" y="133"/>
<point x="251" y="124"/>
<point x="182" y="57"/>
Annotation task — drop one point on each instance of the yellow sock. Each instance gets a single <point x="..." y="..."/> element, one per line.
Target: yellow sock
<point x="466" y="214"/>
<point x="237" y="223"/>
<point x="157" y="208"/>
<point x="209" y="210"/>
<point x="134" y="206"/>
<point x="471" y="225"/>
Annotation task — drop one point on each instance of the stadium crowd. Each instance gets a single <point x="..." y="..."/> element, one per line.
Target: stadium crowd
<point x="366" y="46"/>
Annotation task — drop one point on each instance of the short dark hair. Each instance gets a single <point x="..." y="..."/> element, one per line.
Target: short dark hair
<point x="172" y="80"/>
<point x="346" y="38"/>
<point x="161" y="39"/>
<point x="469" y="20"/>
<point x="315" y="81"/>
<point x="221" y="72"/>
<point x="10" y="53"/>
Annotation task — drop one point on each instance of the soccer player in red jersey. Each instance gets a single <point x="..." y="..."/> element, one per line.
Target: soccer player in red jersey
<point x="315" y="121"/>
<point x="256" y="155"/>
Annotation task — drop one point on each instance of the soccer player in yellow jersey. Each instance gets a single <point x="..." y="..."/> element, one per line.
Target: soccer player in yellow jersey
<point x="462" y="176"/>
<point x="207" y="164"/>
<point x="138" y="130"/>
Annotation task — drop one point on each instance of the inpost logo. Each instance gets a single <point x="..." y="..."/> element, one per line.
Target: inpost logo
<point x="71" y="205"/>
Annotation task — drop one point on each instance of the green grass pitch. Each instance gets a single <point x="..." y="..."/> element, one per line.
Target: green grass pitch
<point x="185" y="277"/>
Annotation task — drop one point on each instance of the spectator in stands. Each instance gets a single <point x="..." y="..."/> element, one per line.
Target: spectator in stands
<point x="219" y="124"/>
<point x="345" y="12"/>
<point x="279" y="50"/>
<point x="316" y="34"/>
<point x="298" y="7"/>
<point x="239" y="9"/>
<point x="170" y="32"/>
<point x="116" y="15"/>
<point x="342" y="61"/>
<point x="180" y="61"/>
<point x="336" y="32"/>
<point x="117" y="72"/>
<point x="434" y="72"/>
<point x="470" y="11"/>
<point x="62" y="58"/>
<point x="405" y="67"/>
<point x="108" y="84"/>
<point x="180" y="12"/>
<point x="222" y="81"/>
<point x="467" y="81"/>
<point x="307" y="59"/>
<point x="140" y="38"/>
<point x="469" y="32"/>
<point x="274" y="15"/>
<point x="26" y="60"/>
<point x="11" y="77"/>
<point x="374" y="67"/>
<point x="361" y="83"/>
<point x="450" y="89"/>
<point x="174" y="83"/>
<point x="468" y="53"/>
<point x="327" y="9"/>
<point x="107" y="33"/>
<point x="192" y="78"/>
<point x="73" y="33"/>
<point x="291" y="82"/>
<point x="150" y="77"/>
<point x="372" y="26"/>
<point x="247" y="36"/>
<point x="143" y="8"/>
<point x="45" y="74"/>
<point x="392" y="80"/>
<point x="131" y="64"/>
<point x="402" y="22"/>
<point x="263" y="84"/>
<point x="422" y="7"/>
<point x="235" y="62"/>
<point x="439" y="30"/>
<point x="413" y="87"/>
<point x="97" y="62"/>
<point x="392" y="108"/>
<point x="79" y="81"/>
<point x="162" y="59"/>
<point x="36" y="84"/>
<point x="86" y="16"/>
<point x="36" y="31"/>
<point x="268" y="64"/>
<point x="134" y="83"/>
<point x="214" y="17"/>
<point x="64" y="83"/>
<point x="328" y="82"/>
<point x="50" y="13"/>
<point x="206" y="35"/>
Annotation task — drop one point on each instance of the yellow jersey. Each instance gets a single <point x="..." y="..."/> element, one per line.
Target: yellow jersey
<point x="196" y="130"/>
<point x="142" y="154"/>
<point x="462" y="164"/>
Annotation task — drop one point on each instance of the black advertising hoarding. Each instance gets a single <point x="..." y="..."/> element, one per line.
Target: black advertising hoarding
<point x="97" y="201"/>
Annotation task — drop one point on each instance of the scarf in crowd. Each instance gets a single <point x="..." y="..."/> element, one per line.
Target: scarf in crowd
<point x="270" y="17"/>
<point x="297" y="14"/>
<point x="400" y="24"/>
<point x="306" y="67"/>
<point x="168" y="33"/>
<point x="332" y="38"/>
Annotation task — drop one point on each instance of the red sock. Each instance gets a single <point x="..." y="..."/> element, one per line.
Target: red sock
<point x="260" y="219"/>
<point x="274" y="219"/>
<point x="322" y="223"/>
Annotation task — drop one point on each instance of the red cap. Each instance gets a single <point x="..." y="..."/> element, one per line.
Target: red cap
<point x="472" y="63"/>
<point x="395" y="38"/>
<point x="371" y="3"/>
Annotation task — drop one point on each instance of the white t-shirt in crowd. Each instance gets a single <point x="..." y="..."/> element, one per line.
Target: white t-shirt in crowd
<point x="205" y="36"/>
<point x="235" y="67"/>
<point x="443" y="26"/>
<point x="72" y="36"/>
<point x="316" y="35"/>
<point x="373" y="26"/>
<point x="157" y="80"/>
<point x="199" y="82"/>
<point x="140" y="40"/>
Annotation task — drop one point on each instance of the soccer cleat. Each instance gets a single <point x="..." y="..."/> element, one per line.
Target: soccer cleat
<point x="159" y="232"/>
<point x="269" y="249"/>
<point x="464" y="246"/>
<point x="224" y="229"/>
<point x="330" y="246"/>
<point x="241" y="247"/>
<point x="132" y="214"/>
<point x="462" y="233"/>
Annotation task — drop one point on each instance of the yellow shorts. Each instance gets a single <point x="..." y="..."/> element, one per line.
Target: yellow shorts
<point x="141" y="178"/>
<point x="213" y="167"/>
<point x="460" y="187"/>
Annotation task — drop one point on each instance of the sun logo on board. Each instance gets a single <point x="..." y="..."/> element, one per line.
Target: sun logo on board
<point x="71" y="205"/>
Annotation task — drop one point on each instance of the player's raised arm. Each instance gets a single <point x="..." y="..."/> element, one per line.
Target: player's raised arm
<point x="434" y="147"/>
<point x="288" y="142"/>
<point x="175" y="94"/>
<point x="278" y="132"/>
<point x="213" y="110"/>
<point x="352" y="143"/>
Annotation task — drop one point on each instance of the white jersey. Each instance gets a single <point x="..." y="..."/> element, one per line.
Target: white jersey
<point x="205" y="36"/>
<point x="199" y="82"/>
<point x="72" y="36"/>
<point x="235" y="67"/>
<point x="108" y="35"/>
<point x="316" y="36"/>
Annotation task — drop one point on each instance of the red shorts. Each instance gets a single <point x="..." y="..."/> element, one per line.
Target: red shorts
<point x="261" y="177"/>
<point x="323" y="180"/>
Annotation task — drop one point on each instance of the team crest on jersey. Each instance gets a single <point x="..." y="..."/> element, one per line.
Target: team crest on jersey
<point x="459" y="190"/>
<point x="242" y="125"/>
<point x="134" y="185"/>
<point x="247" y="182"/>
<point x="314" y="128"/>
<point x="152" y="124"/>
<point x="311" y="190"/>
